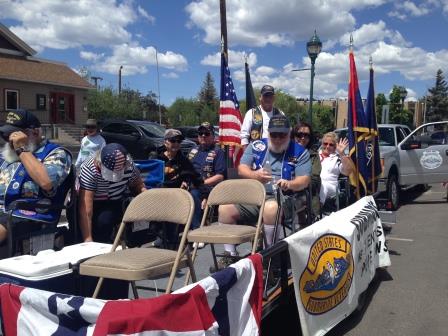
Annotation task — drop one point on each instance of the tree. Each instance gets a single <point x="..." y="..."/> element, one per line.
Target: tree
<point x="207" y="95"/>
<point x="437" y="99"/>
<point x="185" y="112"/>
<point x="397" y="113"/>
<point x="380" y="101"/>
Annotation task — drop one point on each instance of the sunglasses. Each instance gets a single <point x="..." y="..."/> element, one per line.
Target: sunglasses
<point x="302" y="135"/>
<point x="204" y="134"/>
<point x="175" y="140"/>
<point x="278" y="135"/>
<point x="91" y="127"/>
<point x="325" y="144"/>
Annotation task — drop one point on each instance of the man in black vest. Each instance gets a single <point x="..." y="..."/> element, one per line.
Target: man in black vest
<point x="256" y="120"/>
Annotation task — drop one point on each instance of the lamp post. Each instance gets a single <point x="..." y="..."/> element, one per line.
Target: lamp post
<point x="119" y="79"/>
<point x="403" y="94"/>
<point x="158" y="89"/>
<point x="313" y="47"/>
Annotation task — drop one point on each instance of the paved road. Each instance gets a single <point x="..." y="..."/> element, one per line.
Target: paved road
<point x="411" y="297"/>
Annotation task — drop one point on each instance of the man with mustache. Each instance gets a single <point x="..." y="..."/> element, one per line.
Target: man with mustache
<point x="31" y="169"/>
<point x="277" y="162"/>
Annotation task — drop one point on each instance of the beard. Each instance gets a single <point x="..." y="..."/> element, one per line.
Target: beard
<point x="10" y="156"/>
<point x="278" y="148"/>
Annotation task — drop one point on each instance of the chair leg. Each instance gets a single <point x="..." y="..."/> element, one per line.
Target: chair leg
<point x="191" y="258"/>
<point x="191" y="270"/>
<point x="212" y="246"/>
<point x="98" y="288"/>
<point x="134" y="289"/>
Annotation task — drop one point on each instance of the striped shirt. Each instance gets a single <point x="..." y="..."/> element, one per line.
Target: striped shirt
<point x="90" y="179"/>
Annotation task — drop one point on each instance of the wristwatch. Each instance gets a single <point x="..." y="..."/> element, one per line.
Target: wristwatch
<point x="20" y="150"/>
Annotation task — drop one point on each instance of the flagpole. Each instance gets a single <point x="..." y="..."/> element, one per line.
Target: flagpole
<point x="358" y="195"/>
<point x="372" y="182"/>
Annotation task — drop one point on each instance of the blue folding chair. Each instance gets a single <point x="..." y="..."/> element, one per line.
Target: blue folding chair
<point x="152" y="172"/>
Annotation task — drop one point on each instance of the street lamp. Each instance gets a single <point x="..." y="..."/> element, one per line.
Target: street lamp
<point x="403" y="94"/>
<point x="313" y="47"/>
<point x="119" y="79"/>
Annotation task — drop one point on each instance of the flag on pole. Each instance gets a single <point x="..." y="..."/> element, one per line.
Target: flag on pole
<point x="250" y="96"/>
<point x="228" y="302"/>
<point x="230" y="119"/>
<point x="372" y="148"/>
<point x="358" y="131"/>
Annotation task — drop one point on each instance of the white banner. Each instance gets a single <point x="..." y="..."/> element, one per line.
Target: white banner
<point x="333" y="262"/>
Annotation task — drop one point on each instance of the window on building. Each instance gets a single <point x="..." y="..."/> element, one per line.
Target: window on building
<point x="41" y="102"/>
<point x="11" y="99"/>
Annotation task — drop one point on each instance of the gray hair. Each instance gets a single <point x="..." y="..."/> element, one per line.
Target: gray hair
<point x="334" y="137"/>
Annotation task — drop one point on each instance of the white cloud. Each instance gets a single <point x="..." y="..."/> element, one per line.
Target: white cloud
<point x="70" y="23"/>
<point x="136" y="59"/>
<point x="145" y="14"/>
<point x="236" y="59"/>
<point x="404" y="10"/>
<point x="90" y="56"/>
<point x="265" y="71"/>
<point x="170" y="75"/>
<point x="276" y="22"/>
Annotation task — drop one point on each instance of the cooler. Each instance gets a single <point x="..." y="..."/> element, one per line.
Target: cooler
<point x="57" y="271"/>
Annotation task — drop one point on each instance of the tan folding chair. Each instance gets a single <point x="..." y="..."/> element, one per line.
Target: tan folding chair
<point x="174" y="206"/>
<point x="242" y="191"/>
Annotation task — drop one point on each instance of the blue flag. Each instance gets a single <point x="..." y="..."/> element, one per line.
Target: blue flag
<point x="372" y="146"/>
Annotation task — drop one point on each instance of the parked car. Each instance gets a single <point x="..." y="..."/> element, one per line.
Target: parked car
<point x="410" y="158"/>
<point x="189" y="132"/>
<point x="139" y="137"/>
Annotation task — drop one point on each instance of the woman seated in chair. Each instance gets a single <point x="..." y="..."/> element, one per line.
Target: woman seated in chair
<point x="104" y="180"/>
<point x="334" y="162"/>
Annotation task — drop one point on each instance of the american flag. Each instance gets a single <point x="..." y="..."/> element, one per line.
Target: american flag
<point x="225" y="303"/>
<point x="229" y="109"/>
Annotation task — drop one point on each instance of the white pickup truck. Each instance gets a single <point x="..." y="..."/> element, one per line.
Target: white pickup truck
<point x="410" y="158"/>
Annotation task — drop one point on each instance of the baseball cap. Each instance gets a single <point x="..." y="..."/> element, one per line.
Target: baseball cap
<point x="91" y="122"/>
<point x="279" y="124"/>
<point x="173" y="133"/>
<point x="206" y="126"/>
<point x="19" y="120"/>
<point x="113" y="162"/>
<point x="267" y="90"/>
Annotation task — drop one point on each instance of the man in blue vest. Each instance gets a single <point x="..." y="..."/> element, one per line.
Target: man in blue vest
<point x="277" y="162"/>
<point x="208" y="161"/>
<point x="31" y="169"/>
<point x="256" y="120"/>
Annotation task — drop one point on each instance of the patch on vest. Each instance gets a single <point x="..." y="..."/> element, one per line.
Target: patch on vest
<point x="192" y="153"/>
<point x="259" y="145"/>
<point x="257" y="119"/>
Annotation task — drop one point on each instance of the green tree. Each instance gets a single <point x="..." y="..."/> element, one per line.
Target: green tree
<point x="207" y="95"/>
<point x="185" y="112"/>
<point x="437" y="108"/>
<point x="397" y="113"/>
<point x="380" y="101"/>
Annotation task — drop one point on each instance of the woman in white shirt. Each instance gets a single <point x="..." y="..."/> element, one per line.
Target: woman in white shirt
<point x="334" y="162"/>
<point x="91" y="143"/>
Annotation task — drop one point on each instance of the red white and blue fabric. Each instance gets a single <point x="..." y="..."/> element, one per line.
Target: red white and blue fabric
<point x="230" y="119"/>
<point x="226" y="303"/>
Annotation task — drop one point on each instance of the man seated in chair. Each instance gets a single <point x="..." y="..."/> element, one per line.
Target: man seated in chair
<point x="277" y="162"/>
<point x="208" y="161"/>
<point x="32" y="170"/>
<point x="104" y="180"/>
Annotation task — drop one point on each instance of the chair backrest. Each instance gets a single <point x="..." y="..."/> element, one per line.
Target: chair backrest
<point x="161" y="205"/>
<point x="242" y="191"/>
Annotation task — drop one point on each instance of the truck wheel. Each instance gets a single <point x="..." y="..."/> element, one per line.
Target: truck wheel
<point x="393" y="192"/>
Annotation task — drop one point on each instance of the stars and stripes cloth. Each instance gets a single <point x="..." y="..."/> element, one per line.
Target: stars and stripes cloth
<point x="225" y="303"/>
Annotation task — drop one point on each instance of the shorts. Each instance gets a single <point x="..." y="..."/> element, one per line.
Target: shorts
<point x="249" y="213"/>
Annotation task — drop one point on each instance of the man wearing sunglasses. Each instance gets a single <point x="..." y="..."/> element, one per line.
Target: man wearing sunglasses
<point x="91" y="143"/>
<point x="209" y="162"/>
<point x="31" y="170"/>
<point x="334" y="162"/>
<point x="289" y="169"/>
<point x="256" y="120"/>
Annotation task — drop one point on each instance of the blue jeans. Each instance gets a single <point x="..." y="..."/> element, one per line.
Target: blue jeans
<point x="197" y="215"/>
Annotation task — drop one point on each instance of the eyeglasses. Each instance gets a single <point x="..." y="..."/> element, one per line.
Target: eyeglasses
<point x="325" y="144"/>
<point x="204" y="134"/>
<point x="278" y="135"/>
<point x="302" y="135"/>
<point x="175" y="140"/>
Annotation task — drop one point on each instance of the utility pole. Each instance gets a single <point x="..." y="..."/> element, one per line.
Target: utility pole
<point x="96" y="79"/>
<point x="158" y="88"/>
<point x="119" y="79"/>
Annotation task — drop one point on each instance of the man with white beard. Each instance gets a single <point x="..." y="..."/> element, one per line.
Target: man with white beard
<point x="31" y="170"/>
<point x="276" y="162"/>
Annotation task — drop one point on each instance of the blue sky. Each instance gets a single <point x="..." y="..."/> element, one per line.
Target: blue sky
<point x="406" y="40"/>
